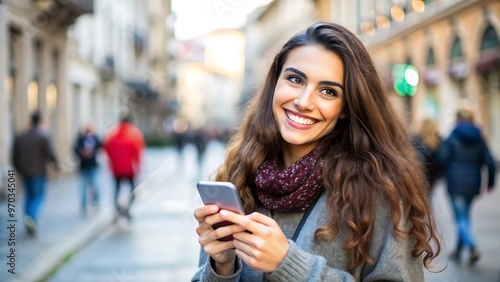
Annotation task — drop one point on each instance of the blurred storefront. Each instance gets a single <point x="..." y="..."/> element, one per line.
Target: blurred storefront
<point x="455" y="46"/>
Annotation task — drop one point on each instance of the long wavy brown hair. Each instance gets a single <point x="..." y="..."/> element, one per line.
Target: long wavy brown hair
<point x="429" y="133"/>
<point x="369" y="153"/>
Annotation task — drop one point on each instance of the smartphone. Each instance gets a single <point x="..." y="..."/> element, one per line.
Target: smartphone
<point x="224" y="195"/>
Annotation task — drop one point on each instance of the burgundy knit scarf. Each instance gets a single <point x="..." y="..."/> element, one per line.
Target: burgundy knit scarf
<point x="292" y="189"/>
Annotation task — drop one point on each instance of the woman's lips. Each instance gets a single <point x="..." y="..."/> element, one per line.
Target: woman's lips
<point x="300" y="119"/>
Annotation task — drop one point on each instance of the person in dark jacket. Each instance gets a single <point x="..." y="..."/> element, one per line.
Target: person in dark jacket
<point x="31" y="153"/>
<point x="464" y="153"/>
<point x="86" y="147"/>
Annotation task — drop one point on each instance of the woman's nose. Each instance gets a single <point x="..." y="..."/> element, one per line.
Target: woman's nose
<point x="304" y="100"/>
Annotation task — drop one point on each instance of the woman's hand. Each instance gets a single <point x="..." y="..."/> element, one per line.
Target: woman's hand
<point x="265" y="247"/>
<point x="222" y="252"/>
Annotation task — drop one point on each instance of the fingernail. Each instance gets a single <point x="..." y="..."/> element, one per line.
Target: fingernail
<point x="223" y="213"/>
<point x="213" y="209"/>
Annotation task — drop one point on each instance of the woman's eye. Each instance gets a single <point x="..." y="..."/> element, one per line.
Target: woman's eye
<point x="294" y="79"/>
<point x="329" y="92"/>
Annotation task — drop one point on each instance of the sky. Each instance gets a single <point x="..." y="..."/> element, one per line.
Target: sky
<point x="196" y="17"/>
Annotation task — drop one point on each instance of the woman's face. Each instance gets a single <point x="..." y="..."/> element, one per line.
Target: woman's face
<point x="308" y="98"/>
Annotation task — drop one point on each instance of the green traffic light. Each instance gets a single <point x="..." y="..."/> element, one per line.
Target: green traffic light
<point x="405" y="79"/>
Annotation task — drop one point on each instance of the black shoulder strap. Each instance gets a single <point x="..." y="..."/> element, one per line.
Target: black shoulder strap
<point x="303" y="220"/>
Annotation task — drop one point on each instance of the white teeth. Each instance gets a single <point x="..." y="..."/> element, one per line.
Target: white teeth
<point x="299" y="120"/>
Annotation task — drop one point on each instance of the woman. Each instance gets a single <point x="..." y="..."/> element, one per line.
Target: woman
<point x="327" y="173"/>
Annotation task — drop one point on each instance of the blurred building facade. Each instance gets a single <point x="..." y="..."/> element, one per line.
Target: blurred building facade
<point x="34" y="61"/>
<point x="455" y="47"/>
<point x="209" y="72"/>
<point x="454" y="44"/>
<point x="120" y="63"/>
<point x="80" y="62"/>
<point x="267" y="30"/>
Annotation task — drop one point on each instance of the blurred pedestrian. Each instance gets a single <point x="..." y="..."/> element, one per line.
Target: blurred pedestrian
<point x="200" y="141"/>
<point x="32" y="152"/>
<point x="86" y="147"/>
<point x="326" y="172"/>
<point x="463" y="154"/>
<point x="124" y="147"/>
<point x="179" y="141"/>
<point x="180" y="135"/>
<point x="427" y="141"/>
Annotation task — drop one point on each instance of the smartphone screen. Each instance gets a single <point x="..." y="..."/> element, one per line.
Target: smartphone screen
<point x="224" y="195"/>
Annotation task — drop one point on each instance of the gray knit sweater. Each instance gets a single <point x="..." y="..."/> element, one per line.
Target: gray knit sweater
<point x="307" y="260"/>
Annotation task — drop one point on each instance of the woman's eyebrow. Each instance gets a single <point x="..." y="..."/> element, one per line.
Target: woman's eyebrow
<point x="331" y="83"/>
<point x="296" y="71"/>
<point x="324" y="82"/>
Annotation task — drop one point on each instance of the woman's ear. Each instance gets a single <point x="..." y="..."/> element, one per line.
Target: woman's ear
<point x="345" y="112"/>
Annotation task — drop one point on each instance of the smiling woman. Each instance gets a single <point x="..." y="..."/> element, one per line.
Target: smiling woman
<point x="330" y="182"/>
<point x="308" y="99"/>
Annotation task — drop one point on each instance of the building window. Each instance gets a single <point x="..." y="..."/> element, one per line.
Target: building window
<point x="459" y="69"/>
<point x="489" y="61"/>
<point x="432" y="74"/>
<point x="490" y="39"/>
<point x="456" y="49"/>
<point x="431" y="58"/>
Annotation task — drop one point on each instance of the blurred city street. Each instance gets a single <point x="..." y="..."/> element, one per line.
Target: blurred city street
<point x="160" y="243"/>
<point x="486" y="228"/>
<point x="163" y="225"/>
<point x="184" y="70"/>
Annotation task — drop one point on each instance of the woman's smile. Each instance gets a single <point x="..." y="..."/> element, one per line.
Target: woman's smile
<point x="299" y="119"/>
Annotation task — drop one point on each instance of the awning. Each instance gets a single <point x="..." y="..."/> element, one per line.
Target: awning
<point x="142" y="91"/>
<point x="488" y="61"/>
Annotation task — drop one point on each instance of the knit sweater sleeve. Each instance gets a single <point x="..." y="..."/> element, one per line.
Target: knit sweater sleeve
<point x="299" y="265"/>
<point x="394" y="264"/>
<point x="393" y="257"/>
<point x="307" y="260"/>
<point x="206" y="272"/>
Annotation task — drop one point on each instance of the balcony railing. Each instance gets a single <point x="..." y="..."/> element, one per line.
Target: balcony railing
<point x="80" y="6"/>
<point x="62" y="12"/>
<point x="437" y="10"/>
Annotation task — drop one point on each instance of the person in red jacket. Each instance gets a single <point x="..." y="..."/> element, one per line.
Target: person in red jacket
<point x="124" y="145"/>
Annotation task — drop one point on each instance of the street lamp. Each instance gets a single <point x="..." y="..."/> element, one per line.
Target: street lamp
<point x="397" y="14"/>
<point x="383" y="22"/>
<point x="368" y="28"/>
<point x="418" y="6"/>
